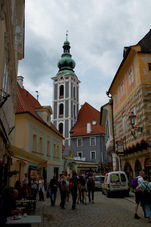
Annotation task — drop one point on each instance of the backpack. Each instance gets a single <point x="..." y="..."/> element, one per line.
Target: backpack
<point x="134" y="183"/>
<point x="71" y="185"/>
<point x="91" y="184"/>
<point x="63" y="186"/>
<point x="146" y="195"/>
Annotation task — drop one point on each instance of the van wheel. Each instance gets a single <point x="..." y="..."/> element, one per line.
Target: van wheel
<point x="108" y="194"/>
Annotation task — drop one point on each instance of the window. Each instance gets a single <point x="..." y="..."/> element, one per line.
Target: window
<point x="48" y="147"/>
<point x="123" y="121"/>
<point x="92" y="155"/>
<point x="41" y="145"/>
<point x="134" y="112"/>
<point x="74" y="111"/>
<point x="114" y="178"/>
<point x="93" y="141"/>
<point x="149" y="66"/>
<point x="57" y="151"/>
<point x="54" y="150"/>
<point x="117" y="129"/>
<point x="34" y="143"/>
<point x="61" y="109"/>
<point x="79" y="142"/>
<point x="61" y="128"/>
<point x="79" y="154"/>
<point x="130" y="76"/>
<point x="74" y="93"/>
<point x="115" y="98"/>
<point x="61" y="90"/>
<point x="122" y="89"/>
<point x="123" y="178"/>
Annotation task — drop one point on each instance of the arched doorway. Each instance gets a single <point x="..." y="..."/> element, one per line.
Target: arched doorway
<point x="138" y="167"/>
<point x="129" y="172"/>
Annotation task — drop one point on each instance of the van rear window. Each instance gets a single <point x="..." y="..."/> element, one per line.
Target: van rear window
<point x="123" y="178"/>
<point x="114" y="178"/>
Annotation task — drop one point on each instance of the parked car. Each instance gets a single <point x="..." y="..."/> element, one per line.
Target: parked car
<point x="115" y="182"/>
<point x="98" y="181"/>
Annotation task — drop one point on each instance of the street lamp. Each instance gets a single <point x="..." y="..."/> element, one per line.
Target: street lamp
<point x="132" y="118"/>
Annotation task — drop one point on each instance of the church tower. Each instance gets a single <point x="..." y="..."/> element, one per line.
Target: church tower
<point x="65" y="94"/>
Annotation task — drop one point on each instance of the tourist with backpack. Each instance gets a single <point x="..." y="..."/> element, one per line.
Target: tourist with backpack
<point x="138" y="194"/>
<point x="73" y="185"/>
<point x="145" y="187"/>
<point x="63" y="191"/>
<point x="90" y="188"/>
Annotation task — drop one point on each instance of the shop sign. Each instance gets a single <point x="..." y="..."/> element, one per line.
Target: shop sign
<point x="148" y="163"/>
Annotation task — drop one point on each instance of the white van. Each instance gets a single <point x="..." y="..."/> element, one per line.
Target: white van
<point x="115" y="182"/>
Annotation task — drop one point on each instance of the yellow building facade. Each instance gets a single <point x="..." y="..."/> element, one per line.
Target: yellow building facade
<point x="131" y="94"/>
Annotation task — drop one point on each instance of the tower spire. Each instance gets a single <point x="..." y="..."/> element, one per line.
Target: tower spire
<point x="67" y="35"/>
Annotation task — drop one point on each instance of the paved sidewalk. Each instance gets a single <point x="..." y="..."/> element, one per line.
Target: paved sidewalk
<point x="131" y="197"/>
<point x="113" y="212"/>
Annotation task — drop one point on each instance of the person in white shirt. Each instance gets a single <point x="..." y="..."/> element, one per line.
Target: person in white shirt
<point x="138" y="195"/>
<point x="25" y="179"/>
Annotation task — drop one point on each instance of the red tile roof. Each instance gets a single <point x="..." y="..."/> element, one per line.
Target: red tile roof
<point x="87" y="114"/>
<point x="26" y="103"/>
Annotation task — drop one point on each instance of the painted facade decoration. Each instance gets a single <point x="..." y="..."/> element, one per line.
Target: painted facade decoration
<point x="107" y="120"/>
<point x="131" y="94"/>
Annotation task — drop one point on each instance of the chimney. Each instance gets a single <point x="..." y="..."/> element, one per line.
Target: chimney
<point x="89" y="128"/>
<point x="20" y="81"/>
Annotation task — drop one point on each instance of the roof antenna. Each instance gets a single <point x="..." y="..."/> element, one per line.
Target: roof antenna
<point x="67" y="35"/>
<point x="37" y="95"/>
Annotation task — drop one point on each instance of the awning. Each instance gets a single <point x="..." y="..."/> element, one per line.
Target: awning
<point x="26" y="156"/>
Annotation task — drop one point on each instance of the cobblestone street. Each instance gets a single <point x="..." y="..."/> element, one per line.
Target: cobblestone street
<point x="104" y="212"/>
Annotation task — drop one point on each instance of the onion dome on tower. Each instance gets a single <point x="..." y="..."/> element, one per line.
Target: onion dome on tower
<point x="66" y="64"/>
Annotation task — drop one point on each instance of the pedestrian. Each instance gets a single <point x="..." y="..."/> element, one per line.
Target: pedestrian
<point x="138" y="195"/>
<point x="79" y="188"/>
<point x="53" y="190"/>
<point x="41" y="189"/>
<point x="90" y="188"/>
<point x="34" y="188"/>
<point x="73" y="188"/>
<point x="83" y="190"/>
<point x="25" y="179"/>
<point x="67" y="184"/>
<point x="63" y="191"/>
<point x="146" y="198"/>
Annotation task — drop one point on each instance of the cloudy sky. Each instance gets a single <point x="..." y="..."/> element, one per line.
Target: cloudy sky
<point x="98" y="32"/>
